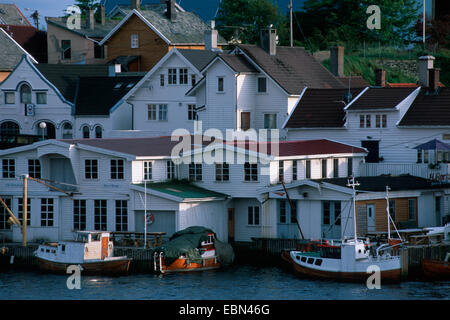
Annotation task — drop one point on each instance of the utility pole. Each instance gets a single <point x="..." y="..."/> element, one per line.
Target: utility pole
<point x="290" y="17"/>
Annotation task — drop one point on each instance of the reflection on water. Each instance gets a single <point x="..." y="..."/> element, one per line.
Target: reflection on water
<point x="235" y="283"/>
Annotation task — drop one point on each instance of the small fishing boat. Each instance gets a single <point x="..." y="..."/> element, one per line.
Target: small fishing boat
<point x="436" y="269"/>
<point x="92" y="251"/>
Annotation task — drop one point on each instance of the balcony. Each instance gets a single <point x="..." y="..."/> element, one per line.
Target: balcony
<point x="440" y="172"/>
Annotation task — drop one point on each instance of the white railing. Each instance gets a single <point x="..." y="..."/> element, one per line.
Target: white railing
<point x="415" y="169"/>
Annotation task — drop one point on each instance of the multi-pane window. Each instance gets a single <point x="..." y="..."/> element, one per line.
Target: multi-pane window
<point x="121" y="215"/>
<point x="365" y="121"/>
<point x="10" y="97"/>
<point x="368" y="124"/>
<point x="79" y="214"/>
<point x="157" y="112"/>
<point x="324" y="168"/>
<point x="280" y="171"/>
<point x="326" y="213"/>
<point x="25" y="94"/>
<point x="162" y="112"/>
<point x="308" y="169"/>
<point x="262" y="85"/>
<point x="183" y="76"/>
<point x="148" y="170"/>
<point x="220" y="86"/>
<point x="412" y="209"/>
<point x="100" y="215"/>
<point x="20" y="210"/>
<point x="151" y="112"/>
<point x="222" y="172"/>
<point x="193" y="79"/>
<point x="4" y="216"/>
<point x="41" y="97"/>
<point x="9" y="128"/>
<point x="91" y="169"/>
<point x="192" y="114"/>
<point x="282" y="218"/>
<point x="86" y="132"/>
<point x="253" y="215"/>
<point x="65" y="50"/>
<point x="195" y="171"/>
<point x="170" y="166"/>
<point x="380" y="121"/>
<point x="294" y="170"/>
<point x="47" y="212"/>
<point x="172" y="76"/>
<point x="335" y="168"/>
<point x="134" y="41"/>
<point x="34" y="168"/>
<point x="117" y="169"/>
<point x="270" y="121"/>
<point x="250" y="171"/>
<point x="161" y="80"/>
<point x="8" y="168"/>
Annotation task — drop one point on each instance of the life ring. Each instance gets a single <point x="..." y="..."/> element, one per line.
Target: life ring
<point x="150" y="219"/>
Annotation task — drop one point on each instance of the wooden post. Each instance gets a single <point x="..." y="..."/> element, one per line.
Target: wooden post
<point x="25" y="210"/>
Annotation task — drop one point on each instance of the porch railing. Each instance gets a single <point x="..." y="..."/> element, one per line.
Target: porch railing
<point x="422" y="170"/>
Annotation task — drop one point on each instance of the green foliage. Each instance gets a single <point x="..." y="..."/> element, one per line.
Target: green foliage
<point x="84" y="5"/>
<point x="249" y="17"/>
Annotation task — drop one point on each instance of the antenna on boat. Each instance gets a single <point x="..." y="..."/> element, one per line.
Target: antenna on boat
<point x="353" y="184"/>
<point x="388" y="213"/>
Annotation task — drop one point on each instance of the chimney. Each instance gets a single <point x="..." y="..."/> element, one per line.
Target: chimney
<point x="90" y="19"/>
<point x="102" y="15"/>
<point x="211" y="37"/>
<point x="337" y="61"/>
<point x="380" y="78"/>
<point x="171" y="11"/>
<point x="135" y="4"/>
<point x="268" y="38"/>
<point x="434" y="79"/>
<point x="425" y="64"/>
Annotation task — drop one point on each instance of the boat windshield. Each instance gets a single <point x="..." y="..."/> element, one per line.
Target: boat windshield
<point x="82" y="237"/>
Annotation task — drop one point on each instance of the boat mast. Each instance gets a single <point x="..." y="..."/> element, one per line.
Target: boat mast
<point x="145" y="214"/>
<point x="353" y="184"/>
<point x="387" y="212"/>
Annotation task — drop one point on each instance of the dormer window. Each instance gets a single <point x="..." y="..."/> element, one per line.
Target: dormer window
<point x="365" y="121"/>
<point x="381" y="121"/>
<point x="134" y="41"/>
<point x="25" y="94"/>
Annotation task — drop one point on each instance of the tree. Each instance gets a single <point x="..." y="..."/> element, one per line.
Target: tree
<point x="84" y="5"/>
<point x="248" y="17"/>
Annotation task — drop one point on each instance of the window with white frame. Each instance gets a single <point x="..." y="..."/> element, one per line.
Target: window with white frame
<point x="172" y="79"/>
<point x="117" y="169"/>
<point x="349" y="167"/>
<point x="222" y="172"/>
<point x="47" y="212"/>
<point x="253" y="215"/>
<point x="195" y="171"/>
<point x="294" y="170"/>
<point x="162" y="112"/>
<point x="25" y="93"/>
<point x="86" y="132"/>
<point x="270" y="121"/>
<point x="20" y="210"/>
<point x="157" y="112"/>
<point x="191" y="112"/>
<point x="365" y="121"/>
<point x="10" y="97"/>
<point x="220" y="84"/>
<point x="335" y="168"/>
<point x="100" y="215"/>
<point x="170" y="167"/>
<point x="183" y="76"/>
<point x="324" y="168"/>
<point x="250" y="171"/>
<point x="151" y="112"/>
<point x="262" y="84"/>
<point x="308" y="169"/>
<point x="161" y="80"/>
<point x="147" y="170"/>
<point x="286" y="213"/>
<point x="121" y="215"/>
<point x="4" y="216"/>
<point x="91" y="169"/>
<point x="34" y="168"/>
<point x="134" y="41"/>
<point x="41" y="97"/>
<point x="8" y="168"/>
<point x="79" y="214"/>
<point x="281" y="170"/>
<point x="380" y="121"/>
<point x="411" y="209"/>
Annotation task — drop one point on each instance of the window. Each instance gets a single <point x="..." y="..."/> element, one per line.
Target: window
<point x="4" y="216"/>
<point x="412" y="209"/>
<point x="98" y="132"/>
<point x="337" y="213"/>
<point x="383" y="121"/>
<point x="100" y="215"/>
<point x="121" y="215"/>
<point x="192" y="114"/>
<point x="8" y="168"/>
<point x="335" y="168"/>
<point x="245" y="120"/>
<point x="349" y="167"/>
<point x="284" y="204"/>
<point x="294" y="170"/>
<point x="392" y="209"/>
<point x="20" y="210"/>
<point x="148" y="170"/>
<point x="380" y="121"/>
<point x="161" y="80"/>
<point x="262" y="85"/>
<point x="151" y="112"/>
<point x="280" y="171"/>
<point x="425" y="156"/>
<point x="253" y="215"/>
<point x="364" y="121"/>
<point x="91" y="169"/>
<point x="308" y="169"/>
<point x="41" y="97"/>
<point x="326" y="213"/>
<point x="157" y="112"/>
<point x="270" y="121"/>
<point x="193" y="79"/>
<point x="361" y="121"/>
<point x="172" y="76"/>
<point x="9" y="127"/>
<point x="47" y="210"/>
<point x="99" y="51"/>
<point x="86" y="132"/>
<point x="67" y="131"/>
<point x="162" y="112"/>
<point x="195" y="171"/>
<point x="79" y="214"/>
<point x="65" y="50"/>
<point x="324" y="168"/>
<point x="293" y="212"/>
<point x="222" y="172"/>
<point x="116" y="169"/>
<point x="134" y="41"/>
<point x="10" y="97"/>
<point x="170" y="166"/>
<point x="183" y="76"/>
<point x="25" y="94"/>
<point x="368" y="125"/>
<point x="250" y="171"/>
<point x="282" y="211"/>
<point x="220" y="87"/>
<point x="34" y="168"/>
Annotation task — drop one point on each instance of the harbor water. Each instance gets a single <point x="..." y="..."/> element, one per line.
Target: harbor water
<point x="238" y="282"/>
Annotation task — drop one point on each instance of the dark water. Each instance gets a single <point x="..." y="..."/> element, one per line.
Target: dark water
<point x="236" y="283"/>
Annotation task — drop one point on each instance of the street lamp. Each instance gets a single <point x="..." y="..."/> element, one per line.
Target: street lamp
<point x="43" y="125"/>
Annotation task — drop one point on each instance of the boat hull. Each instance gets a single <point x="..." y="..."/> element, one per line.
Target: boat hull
<point x="181" y="265"/>
<point x="112" y="267"/>
<point x="435" y="269"/>
<point x="393" y="275"/>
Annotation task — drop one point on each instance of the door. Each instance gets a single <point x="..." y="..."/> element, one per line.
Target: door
<point x="105" y="241"/>
<point x="230" y="224"/>
<point x="374" y="152"/>
<point x="331" y="220"/>
<point x="370" y="218"/>
<point x="245" y="120"/>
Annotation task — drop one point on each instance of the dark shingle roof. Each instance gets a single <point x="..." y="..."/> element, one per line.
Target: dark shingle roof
<point x="381" y="98"/>
<point x="429" y="110"/>
<point x="98" y="32"/>
<point x="29" y="38"/>
<point x="238" y="62"/>
<point x="292" y="68"/>
<point x="65" y="76"/>
<point x="90" y="102"/>
<point x="10" y="14"/>
<point x="199" y="58"/>
<point x="10" y="52"/>
<point x="321" y="108"/>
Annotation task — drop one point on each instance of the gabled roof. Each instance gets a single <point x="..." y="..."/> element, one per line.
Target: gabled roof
<point x="30" y="39"/>
<point x="98" y="32"/>
<point x="10" y="52"/>
<point x="320" y="108"/>
<point x="238" y="63"/>
<point x="380" y="98"/>
<point x="292" y="68"/>
<point x="10" y="14"/>
<point x="90" y="102"/>
<point x="429" y="109"/>
<point x="198" y="58"/>
<point x="65" y="76"/>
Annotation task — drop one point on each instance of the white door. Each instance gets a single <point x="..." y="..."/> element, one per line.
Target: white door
<point x="371" y="218"/>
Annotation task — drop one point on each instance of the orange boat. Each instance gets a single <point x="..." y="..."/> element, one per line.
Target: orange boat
<point x="436" y="269"/>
